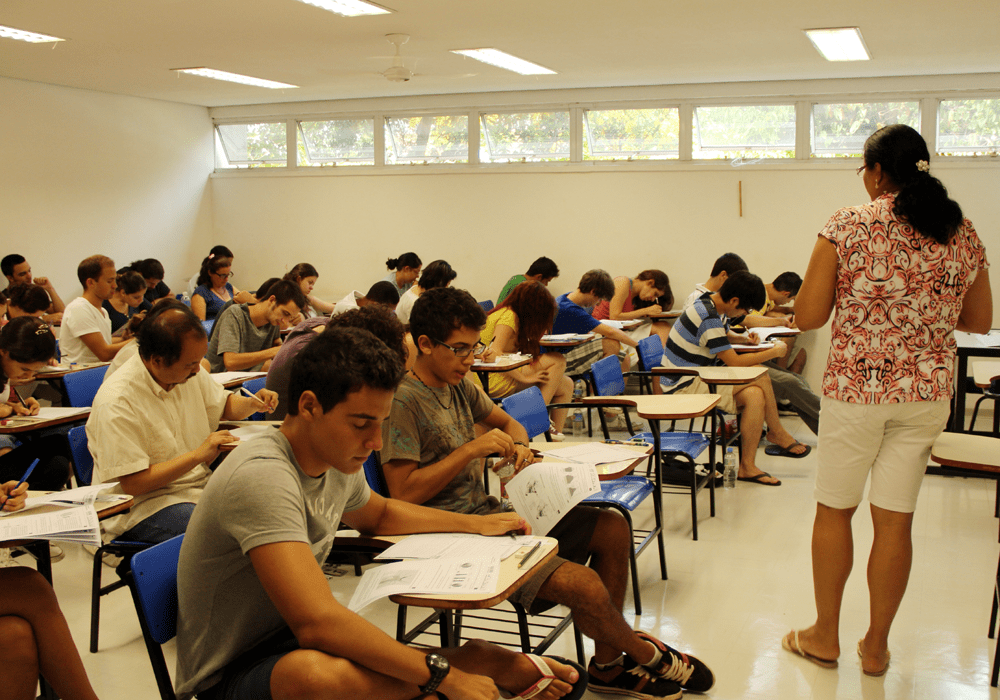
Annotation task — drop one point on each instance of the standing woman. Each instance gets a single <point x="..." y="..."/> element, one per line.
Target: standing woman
<point x="407" y="270"/>
<point x="901" y="273"/>
<point x="305" y="276"/>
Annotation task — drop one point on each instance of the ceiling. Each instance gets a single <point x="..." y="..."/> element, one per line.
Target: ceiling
<point x="128" y="47"/>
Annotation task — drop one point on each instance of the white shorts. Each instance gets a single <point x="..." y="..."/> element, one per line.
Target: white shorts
<point x="892" y="441"/>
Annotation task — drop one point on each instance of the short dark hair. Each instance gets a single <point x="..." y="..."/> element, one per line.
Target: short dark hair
<point x="438" y="312"/>
<point x="29" y="298"/>
<point x="161" y="334"/>
<point x="411" y="260"/>
<point x="730" y="263"/>
<point x="437" y="274"/>
<point x="150" y="268"/>
<point x="544" y="267"/>
<point x="263" y="291"/>
<point x="383" y="293"/>
<point x="599" y="283"/>
<point x="377" y="320"/>
<point x="131" y="281"/>
<point x="340" y="361"/>
<point x="9" y="262"/>
<point x="788" y="282"/>
<point x="90" y="268"/>
<point x="284" y="291"/>
<point x="748" y="287"/>
<point x="27" y="339"/>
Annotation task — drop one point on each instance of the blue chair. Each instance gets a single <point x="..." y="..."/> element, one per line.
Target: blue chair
<point x="253" y="386"/>
<point x="82" y="386"/>
<point x="207" y="325"/>
<point x="623" y="494"/>
<point x="487" y="305"/>
<point x="153" y="582"/>
<point x="83" y="469"/>
<point x="374" y="475"/>
<point x="650" y="352"/>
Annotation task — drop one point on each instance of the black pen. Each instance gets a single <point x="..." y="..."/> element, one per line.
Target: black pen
<point x="18" y="396"/>
<point x="528" y="555"/>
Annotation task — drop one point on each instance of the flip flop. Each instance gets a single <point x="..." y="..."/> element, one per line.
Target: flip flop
<point x="579" y="688"/>
<point x="779" y="451"/>
<point x="875" y="674"/>
<point x="790" y="642"/>
<point x="759" y="479"/>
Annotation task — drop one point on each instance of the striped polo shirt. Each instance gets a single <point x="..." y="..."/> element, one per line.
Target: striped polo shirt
<point x="698" y="335"/>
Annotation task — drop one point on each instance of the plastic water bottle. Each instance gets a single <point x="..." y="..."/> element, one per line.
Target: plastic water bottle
<point x="578" y="389"/>
<point x="729" y="469"/>
<point x="578" y="426"/>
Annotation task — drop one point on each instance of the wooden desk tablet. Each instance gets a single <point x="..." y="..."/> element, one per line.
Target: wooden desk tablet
<point x="985" y="371"/>
<point x="969" y="345"/>
<point x="26" y="424"/>
<point x="548" y="342"/>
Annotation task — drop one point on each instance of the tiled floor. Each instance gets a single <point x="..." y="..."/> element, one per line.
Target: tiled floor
<point x="730" y="597"/>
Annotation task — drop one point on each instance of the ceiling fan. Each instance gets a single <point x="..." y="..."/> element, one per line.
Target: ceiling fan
<point x="397" y="72"/>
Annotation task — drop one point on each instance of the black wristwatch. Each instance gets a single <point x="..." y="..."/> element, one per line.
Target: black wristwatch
<point x="439" y="667"/>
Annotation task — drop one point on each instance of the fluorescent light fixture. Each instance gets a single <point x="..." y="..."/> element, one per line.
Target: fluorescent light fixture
<point x="503" y="60"/>
<point x="348" y="8"/>
<point x="30" y="37"/>
<point x="234" y="78"/>
<point x="841" y="44"/>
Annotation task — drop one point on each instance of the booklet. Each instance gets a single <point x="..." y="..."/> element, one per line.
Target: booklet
<point x="453" y="544"/>
<point x="452" y="576"/>
<point x="544" y="492"/>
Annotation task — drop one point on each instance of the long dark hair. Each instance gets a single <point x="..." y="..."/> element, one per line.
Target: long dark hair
<point x="213" y="263"/>
<point x="536" y="310"/>
<point x="410" y="260"/>
<point x="300" y="271"/>
<point x="27" y="339"/>
<point x="922" y="200"/>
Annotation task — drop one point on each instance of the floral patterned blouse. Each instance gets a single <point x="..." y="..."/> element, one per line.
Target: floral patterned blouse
<point x="898" y="299"/>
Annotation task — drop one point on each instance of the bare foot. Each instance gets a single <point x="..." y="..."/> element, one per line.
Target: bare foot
<point x="799" y="363"/>
<point x="785" y="442"/>
<point x="524" y="674"/>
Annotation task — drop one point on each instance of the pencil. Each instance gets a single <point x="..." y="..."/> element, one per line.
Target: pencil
<point x="528" y="555"/>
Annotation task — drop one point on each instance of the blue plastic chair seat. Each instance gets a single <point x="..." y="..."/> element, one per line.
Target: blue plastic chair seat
<point x="627" y="491"/>
<point x="689" y="444"/>
<point x="155" y="573"/>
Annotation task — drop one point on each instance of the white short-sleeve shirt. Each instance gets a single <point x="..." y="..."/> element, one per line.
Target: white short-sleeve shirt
<point x="79" y="319"/>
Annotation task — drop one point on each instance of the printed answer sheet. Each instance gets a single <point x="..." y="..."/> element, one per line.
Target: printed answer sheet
<point x="452" y="576"/>
<point x="544" y="492"/>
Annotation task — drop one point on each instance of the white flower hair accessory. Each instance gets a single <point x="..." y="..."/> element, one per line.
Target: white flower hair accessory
<point x="923" y="166"/>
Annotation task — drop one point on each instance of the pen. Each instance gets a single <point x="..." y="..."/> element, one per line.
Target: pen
<point x="18" y="396"/>
<point x="24" y="478"/>
<point x="255" y="398"/>
<point x="511" y="534"/>
<point x="528" y="555"/>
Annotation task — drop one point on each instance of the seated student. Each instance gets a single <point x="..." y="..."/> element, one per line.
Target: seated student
<point x="124" y="303"/>
<point x="777" y="312"/>
<point x="438" y="274"/>
<point x="407" y="270"/>
<point x="517" y="325"/>
<point x="383" y="293"/>
<point x="132" y="349"/>
<point x="256" y="616"/>
<point x="305" y="275"/>
<point x="648" y="286"/>
<point x="432" y="457"/>
<point x="17" y="271"/>
<point x="726" y="265"/>
<point x="700" y="338"/>
<point x="245" y="337"/>
<point x="26" y="345"/>
<point x="85" y="335"/>
<point x="214" y="291"/>
<point x="34" y="637"/>
<point x="151" y="270"/>
<point x="27" y="300"/>
<point x="218" y="251"/>
<point x="375" y="318"/>
<point x="543" y="270"/>
<point x="154" y="425"/>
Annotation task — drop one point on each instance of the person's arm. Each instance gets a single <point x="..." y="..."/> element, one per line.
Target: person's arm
<point x="323" y="307"/>
<point x="389" y="516"/>
<point x="731" y="358"/>
<point x="163" y="473"/>
<point x="504" y="343"/>
<point x="13" y="499"/>
<point x="57" y="306"/>
<point x="235" y="361"/>
<point x="814" y="303"/>
<point x="622" y="289"/>
<point x="239" y="406"/>
<point x="198" y="306"/>
<point x="607" y="331"/>
<point x="977" y="305"/>
<point x="756" y="321"/>
<point x="105" y="352"/>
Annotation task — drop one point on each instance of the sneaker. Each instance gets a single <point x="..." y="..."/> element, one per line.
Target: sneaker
<point x="55" y="553"/>
<point x="690" y="672"/>
<point x="556" y="436"/>
<point x="626" y="677"/>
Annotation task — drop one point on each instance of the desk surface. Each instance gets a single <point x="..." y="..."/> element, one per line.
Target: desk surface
<point x="505" y="367"/>
<point x="615" y="470"/>
<point x="26" y="424"/>
<point x="661" y="407"/>
<point x="103" y="513"/>
<point x="966" y="451"/>
<point x="716" y="375"/>
<point x="567" y="343"/>
<point x="985" y="371"/>
<point x="666" y="315"/>
<point x="58" y="371"/>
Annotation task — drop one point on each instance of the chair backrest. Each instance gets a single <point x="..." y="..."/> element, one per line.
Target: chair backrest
<point x="487" y="305"/>
<point x="154" y="592"/>
<point x="82" y="386"/>
<point x="527" y="407"/>
<point x="83" y="461"/>
<point x="650" y="351"/>
<point x="374" y="476"/>
<point x="207" y="325"/>
<point x="608" y="379"/>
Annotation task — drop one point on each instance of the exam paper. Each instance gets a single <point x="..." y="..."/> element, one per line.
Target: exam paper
<point x="454" y="544"/>
<point x="249" y="432"/>
<point x="565" y="337"/>
<point x="543" y="493"/>
<point x="85" y="495"/>
<point x="452" y="576"/>
<point x="78" y="524"/>
<point x="503" y="360"/>
<point x="226" y="377"/>
<point x="754" y="348"/>
<point x="766" y="332"/>
<point x="47" y="413"/>
<point x="592" y="453"/>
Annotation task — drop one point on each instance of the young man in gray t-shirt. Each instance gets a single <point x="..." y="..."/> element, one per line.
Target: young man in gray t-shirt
<point x="257" y="618"/>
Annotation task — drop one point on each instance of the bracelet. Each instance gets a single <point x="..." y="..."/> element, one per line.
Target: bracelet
<point x="518" y="442"/>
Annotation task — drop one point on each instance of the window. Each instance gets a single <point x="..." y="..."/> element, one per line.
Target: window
<point x="968" y="127"/>
<point x="645" y="134"/>
<point x="430" y="139"/>
<point x="527" y="136"/>
<point x="744" y="131"/>
<point x="337" y="141"/>
<point x="842" y="129"/>
<point x="245" y="145"/>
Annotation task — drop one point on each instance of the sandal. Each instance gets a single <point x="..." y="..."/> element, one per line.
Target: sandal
<point x="874" y="674"/>
<point x="790" y="642"/>
<point x="547" y="677"/>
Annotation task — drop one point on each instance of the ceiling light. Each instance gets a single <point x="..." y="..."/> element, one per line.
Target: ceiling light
<point x="503" y="60"/>
<point x="348" y="8"/>
<point x="21" y="35"/>
<point x="843" y="44"/>
<point x="234" y="78"/>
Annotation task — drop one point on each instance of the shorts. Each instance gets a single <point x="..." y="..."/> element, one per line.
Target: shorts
<point x="248" y="676"/>
<point x="892" y="441"/>
<point x="727" y="399"/>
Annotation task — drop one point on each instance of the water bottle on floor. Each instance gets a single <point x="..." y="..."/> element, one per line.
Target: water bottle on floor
<point x="578" y="427"/>
<point x="729" y="469"/>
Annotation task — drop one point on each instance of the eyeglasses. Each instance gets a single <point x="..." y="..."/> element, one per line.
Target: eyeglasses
<point x="227" y="275"/>
<point x="860" y="168"/>
<point x="476" y="349"/>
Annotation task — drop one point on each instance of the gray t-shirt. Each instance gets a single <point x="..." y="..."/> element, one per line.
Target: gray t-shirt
<point x="258" y="496"/>
<point x="427" y="425"/>
<point x="235" y="332"/>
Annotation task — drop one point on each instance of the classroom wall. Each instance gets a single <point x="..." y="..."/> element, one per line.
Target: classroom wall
<point x="87" y="172"/>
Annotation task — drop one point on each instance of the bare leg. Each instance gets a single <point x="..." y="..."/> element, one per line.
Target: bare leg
<point x="29" y="597"/>
<point x="776" y="432"/>
<point x="559" y="387"/>
<point x="20" y="658"/>
<point x="784" y="359"/>
<point x="661" y="329"/>
<point x="888" y="573"/>
<point x="750" y="400"/>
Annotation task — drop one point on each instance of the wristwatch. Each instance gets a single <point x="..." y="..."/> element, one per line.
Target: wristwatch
<point x="439" y="667"/>
<point x="507" y="471"/>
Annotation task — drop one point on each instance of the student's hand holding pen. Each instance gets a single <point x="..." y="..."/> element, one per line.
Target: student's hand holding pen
<point x="13" y="495"/>
<point x="753" y="338"/>
<point x="27" y="407"/>
<point x="264" y="400"/>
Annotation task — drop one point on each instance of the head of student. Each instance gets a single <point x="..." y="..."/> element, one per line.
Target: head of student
<point x="787" y="285"/>
<point x="131" y="287"/>
<point x="151" y="270"/>
<point x="897" y="160"/>
<point x="728" y="264"/>
<point x="16" y="269"/>
<point x="407" y="267"/>
<point x="535" y="308"/>
<point x="171" y="342"/>
<point x="543" y="270"/>
<point x="304" y="275"/>
<point x="598" y="284"/>
<point x="437" y="274"/>
<point x="445" y="325"/>
<point x="378" y="320"/>
<point x="215" y="270"/>
<point x="744" y="292"/>
<point x="652" y="284"/>
<point x="284" y="302"/>
<point x="27" y="300"/>
<point x="26" y="345"/>
<point x="383" y="293"/>
<point x="340" y="391"/>
<point x="98" y="276"/>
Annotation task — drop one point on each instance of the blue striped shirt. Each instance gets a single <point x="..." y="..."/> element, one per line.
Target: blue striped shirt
<point x="698" y="335"/>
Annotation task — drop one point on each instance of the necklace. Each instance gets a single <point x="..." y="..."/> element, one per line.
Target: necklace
<point x="431" y="389"/>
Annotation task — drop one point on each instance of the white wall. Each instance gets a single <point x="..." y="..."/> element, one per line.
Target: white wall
<point x="87" y="172"/>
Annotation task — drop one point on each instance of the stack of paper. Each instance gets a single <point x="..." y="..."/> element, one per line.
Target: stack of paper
<point x="46" y="413"/>
<point x="64" y="516"/>
<point x="565" y="337"/>
<point x="227" y="377"/>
